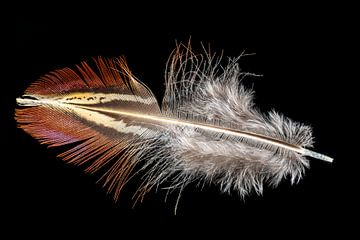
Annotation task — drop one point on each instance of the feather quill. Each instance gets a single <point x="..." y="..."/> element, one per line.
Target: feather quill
<point x="207" y="128"/>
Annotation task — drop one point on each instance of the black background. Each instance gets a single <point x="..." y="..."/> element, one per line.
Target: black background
<point x="299" y="52"/>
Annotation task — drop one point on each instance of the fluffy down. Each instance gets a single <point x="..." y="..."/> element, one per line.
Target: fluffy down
<point x="199" y="89"/>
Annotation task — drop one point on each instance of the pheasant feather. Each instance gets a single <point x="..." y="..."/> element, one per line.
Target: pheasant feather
<point x="206" y="129"/>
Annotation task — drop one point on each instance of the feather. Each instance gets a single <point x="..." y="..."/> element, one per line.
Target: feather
<point x="207" y="128"/>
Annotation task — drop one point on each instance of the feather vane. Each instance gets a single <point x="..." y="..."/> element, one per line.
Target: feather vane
<point x="206" y="129"/>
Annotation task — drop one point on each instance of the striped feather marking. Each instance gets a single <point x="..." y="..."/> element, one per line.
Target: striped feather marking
<point x="102" y="117"/>
<point x="110" y="122"/>
<point x="90" y="98"/>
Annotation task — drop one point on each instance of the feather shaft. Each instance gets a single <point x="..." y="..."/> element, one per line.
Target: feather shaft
<point x="233" y="132"/>
<point x="310" y="153"/>
<point x="180" y="122"/>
